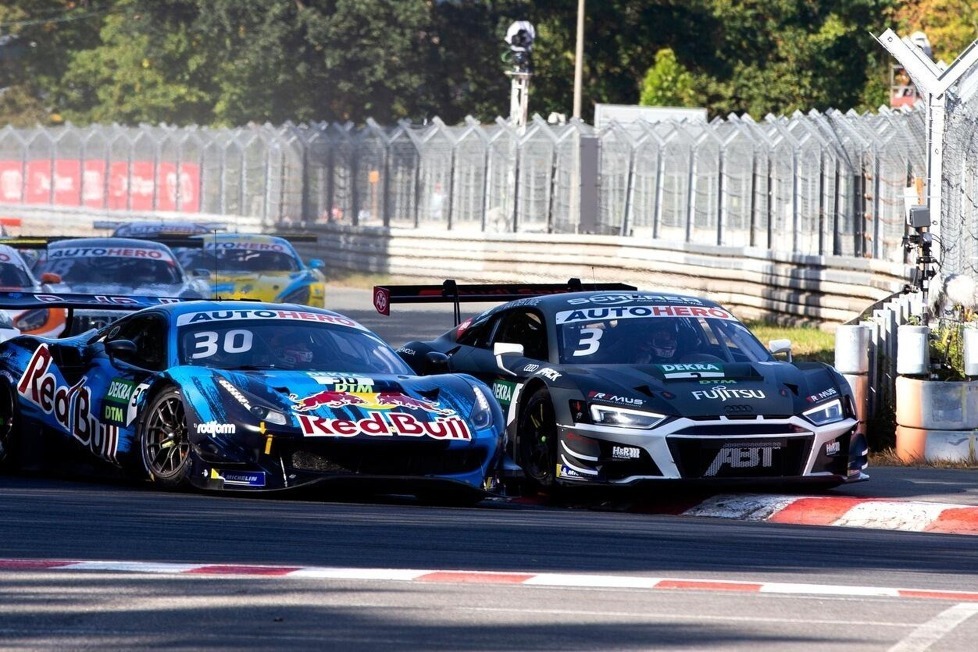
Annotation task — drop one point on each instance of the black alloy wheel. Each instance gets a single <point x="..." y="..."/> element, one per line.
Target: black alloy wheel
<point x="537" y="437"/>
<point x="164" y="440"/>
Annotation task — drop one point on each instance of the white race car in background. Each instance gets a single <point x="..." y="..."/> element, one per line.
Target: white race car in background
<point x="15" y="274"/>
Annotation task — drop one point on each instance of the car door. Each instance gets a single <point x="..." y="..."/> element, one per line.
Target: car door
<point x="124" y="375"/>
<point x="503" y="373"/>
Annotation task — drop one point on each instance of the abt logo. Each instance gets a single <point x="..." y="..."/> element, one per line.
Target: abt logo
<point x="748" y="456"/>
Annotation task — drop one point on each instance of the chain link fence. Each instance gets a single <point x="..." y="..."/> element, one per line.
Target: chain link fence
<point x="959" y="210"/>
<point x="828" y="184"/>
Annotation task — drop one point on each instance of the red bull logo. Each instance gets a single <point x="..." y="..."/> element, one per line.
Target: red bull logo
<point x="396" y="399"/>
<point x="391" y="424"/>
<point x="326" y="398"/>
<point x="366" y="400"/>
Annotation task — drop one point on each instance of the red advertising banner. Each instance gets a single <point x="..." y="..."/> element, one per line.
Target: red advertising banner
<point x="138" y="186"/>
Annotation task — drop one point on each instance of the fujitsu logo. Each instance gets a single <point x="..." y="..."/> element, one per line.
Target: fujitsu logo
<point x="723" y="393"/>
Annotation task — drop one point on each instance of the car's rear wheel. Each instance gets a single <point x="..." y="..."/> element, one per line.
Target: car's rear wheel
<point x="164" y="440"/>
<point x="9" y="431"/>
<point x="537" y="439"/>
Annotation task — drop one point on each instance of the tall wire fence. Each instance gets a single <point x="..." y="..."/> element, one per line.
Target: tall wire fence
<point x="828" y="184"/>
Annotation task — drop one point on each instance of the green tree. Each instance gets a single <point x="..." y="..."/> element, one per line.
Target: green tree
<point x="35" y="39"/>
<point x="950" y="25"/>
<point x="151" y="66"/>
<point x="231" y="62"/>
<point x="667" y="83"/>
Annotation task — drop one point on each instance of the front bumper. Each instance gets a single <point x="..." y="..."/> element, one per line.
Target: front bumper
<point x="714" y="450"/>
<point x="290" y="462"/>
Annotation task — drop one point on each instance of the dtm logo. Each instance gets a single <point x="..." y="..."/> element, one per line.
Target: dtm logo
<point x="746" y="456"/>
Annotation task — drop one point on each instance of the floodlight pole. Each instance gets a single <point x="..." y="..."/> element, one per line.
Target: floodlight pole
<point x="519" y="97"/>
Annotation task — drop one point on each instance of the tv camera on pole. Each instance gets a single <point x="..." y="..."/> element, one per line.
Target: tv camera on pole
<point x="520" y="36"/>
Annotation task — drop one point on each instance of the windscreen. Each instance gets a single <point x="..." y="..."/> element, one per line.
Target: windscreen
<point x="90" y="267"/>
<point x="287" y="344"/>
<point x="224" y="260"/>
<point x="634" y="335"/>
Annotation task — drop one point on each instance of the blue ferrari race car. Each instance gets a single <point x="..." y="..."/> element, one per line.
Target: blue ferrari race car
<point x="244" y="396"/>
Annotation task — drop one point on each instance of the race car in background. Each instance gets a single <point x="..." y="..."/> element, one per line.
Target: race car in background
<point x="173" y="233"/>
<point x="150" y="229"/>
<point x="15" y="274"/>
<point x="114" y="266"/>
<point x="626" y="387"/>
<point x="262" y="267"/>
<point x="243" y="396"/>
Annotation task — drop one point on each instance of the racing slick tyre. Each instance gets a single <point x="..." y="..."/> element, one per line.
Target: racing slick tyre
<point x="537" y="440"/>
<point x="9" y="432"/>
<point x="164" y="442"/>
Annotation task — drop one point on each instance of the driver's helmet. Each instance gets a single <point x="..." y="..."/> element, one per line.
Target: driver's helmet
<point x="290" y="351"/>
<point x="661" y="342"/>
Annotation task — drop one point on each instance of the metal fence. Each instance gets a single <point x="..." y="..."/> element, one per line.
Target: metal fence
<point x="817" y="183"/>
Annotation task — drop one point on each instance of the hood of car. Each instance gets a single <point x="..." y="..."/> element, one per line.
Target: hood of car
<point x="146" y="289"/>
<point x="709" y="389"/>
<point x="337" y="405"/>
<point x="264" y="286"/>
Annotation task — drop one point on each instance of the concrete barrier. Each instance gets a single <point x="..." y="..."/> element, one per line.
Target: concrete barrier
<point x="755" y="283"/>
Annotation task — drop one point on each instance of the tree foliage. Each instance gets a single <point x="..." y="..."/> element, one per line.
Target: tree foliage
<point x="667" y="83"/>
<point x="227" y="62"/>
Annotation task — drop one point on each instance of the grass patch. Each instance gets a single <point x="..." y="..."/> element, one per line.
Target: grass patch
<point x="807" y="343"/>
<point x="888" y="457"/>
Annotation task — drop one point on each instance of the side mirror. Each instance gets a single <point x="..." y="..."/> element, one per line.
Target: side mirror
<point x="778" y="347"/>
<point x="122" y="349"/>
<point x="504" y="348"/>
<point x="435" y="362"/>
<point x="50" y="277"/>
<point x="499" y="349"/>
<point x="316" y="263"/>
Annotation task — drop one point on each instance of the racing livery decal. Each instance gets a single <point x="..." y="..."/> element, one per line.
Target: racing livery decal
<point x="243" y="478"/>
<point x="386" y="424"/>
<point x="71" y="406"/>
<point x="333" y="398"/>
<point x="116" y="402"/>
<point x="503" y="391"/>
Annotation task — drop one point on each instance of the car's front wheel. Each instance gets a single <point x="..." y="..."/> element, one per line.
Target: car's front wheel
<point x="537" y="439"/>
<point x="164" y="440"/>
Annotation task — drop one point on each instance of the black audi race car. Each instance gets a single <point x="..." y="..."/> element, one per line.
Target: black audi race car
<point x="620" y="387"/>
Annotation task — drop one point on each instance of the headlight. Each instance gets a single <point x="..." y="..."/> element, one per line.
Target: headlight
<point x="624" y="418"/>
<point x="300" y="296"/>
<point x="827" y="413"/>
<point x="481" y="415"/>
<point x="269" y="415"/>
<point x="32" y="320"/>
<point x="261" y="412"/>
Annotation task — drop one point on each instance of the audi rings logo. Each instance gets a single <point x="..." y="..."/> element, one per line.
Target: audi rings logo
<point x="738" y="409"/>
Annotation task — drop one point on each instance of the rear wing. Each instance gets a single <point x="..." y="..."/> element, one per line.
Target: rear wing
<point x="72" y="301"/>
<point x="450" y="291"/>
<point x="149" y="228"/>
<point x="20" y="300"/>
<point x="32" y="242"/>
